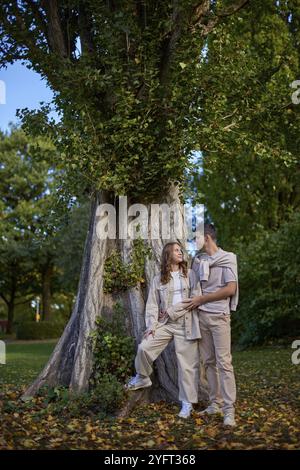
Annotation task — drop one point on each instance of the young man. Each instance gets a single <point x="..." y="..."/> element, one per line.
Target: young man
<point x="167" y="319"/>
<point x="217" y="271"/>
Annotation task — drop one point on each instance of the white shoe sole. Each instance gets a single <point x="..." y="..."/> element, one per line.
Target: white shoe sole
<point x="232" y="425"/>
<point x="217" y="412"/>
<point x="137" y="387"/>
<point x="184" y="416"/>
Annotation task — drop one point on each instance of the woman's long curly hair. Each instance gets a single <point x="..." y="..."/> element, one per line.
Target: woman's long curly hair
<point x="166" y="260"/>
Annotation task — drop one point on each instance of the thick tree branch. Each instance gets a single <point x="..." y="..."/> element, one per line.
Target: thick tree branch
<point x="199" y="11"/>
<point x="169" y="44"/>
<point x="57" y="41"/>
<point x="85" y="28"/>
<point x="167" y="52"/>
<point x="40" y="20"/>
<point x="27" y="37"/>
<point x="4" y="298"/>
<point x="200" y="16"/>
<point x="141" y="13"/>
<point x="233" y="8"/>
<point x="24" y="301"/>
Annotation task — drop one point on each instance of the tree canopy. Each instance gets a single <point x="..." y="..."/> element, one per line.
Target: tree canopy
<point x="249" y="134"/>
<point x="126" y="78"/>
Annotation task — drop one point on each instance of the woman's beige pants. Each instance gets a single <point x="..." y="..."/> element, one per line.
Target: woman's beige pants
<point x="187" y="352"/>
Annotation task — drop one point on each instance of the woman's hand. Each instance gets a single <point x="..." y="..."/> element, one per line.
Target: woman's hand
<point x="163" y="315"/>
<point x="148" y="333"/>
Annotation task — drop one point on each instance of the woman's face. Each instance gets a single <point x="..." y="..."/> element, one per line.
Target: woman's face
<point x="177" y="255"/>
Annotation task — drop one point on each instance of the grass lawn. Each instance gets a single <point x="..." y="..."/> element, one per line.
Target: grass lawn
<point x="24" y="360"/>
<point x="268" y="411"/>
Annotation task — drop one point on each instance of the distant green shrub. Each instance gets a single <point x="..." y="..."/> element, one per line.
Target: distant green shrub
<point x="269" y="278"/>
<point x="39" y="330"/>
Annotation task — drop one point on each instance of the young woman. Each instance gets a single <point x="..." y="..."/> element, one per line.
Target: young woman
<point x="167" y="319"/>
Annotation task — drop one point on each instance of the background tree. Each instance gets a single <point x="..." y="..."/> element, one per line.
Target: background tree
<point x="22" y="186"/>
<point x="34" y="238"/>
<point x="250" y="135"/>
<point x="68" y="254"/>
<point x="270" y="285"/>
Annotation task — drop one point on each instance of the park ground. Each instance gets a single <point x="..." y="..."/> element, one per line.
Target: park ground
<point x="268" y="411"/>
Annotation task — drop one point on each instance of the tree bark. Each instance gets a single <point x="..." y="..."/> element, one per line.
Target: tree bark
<point x="55" y="31"/>
<point x="11" y="306"/>
<point x="70" y="364"/>
<point x="46" y="292"/>
<point x="72" y="360"/>
<point x="10" y="316"/>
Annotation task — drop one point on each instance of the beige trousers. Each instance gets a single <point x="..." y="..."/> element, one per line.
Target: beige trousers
<point x="215" y="351"/>
<point x="187" y="353"/>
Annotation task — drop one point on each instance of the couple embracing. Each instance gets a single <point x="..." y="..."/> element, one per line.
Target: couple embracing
<point x="192" y="306"/>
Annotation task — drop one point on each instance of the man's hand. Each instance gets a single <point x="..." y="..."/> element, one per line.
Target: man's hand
<point x="190" y="304"/>
<point x="222" y="293"/>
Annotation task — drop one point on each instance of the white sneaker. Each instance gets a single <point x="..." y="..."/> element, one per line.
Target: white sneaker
<point x="229" y="419"/>
<point x="186" y="410"/>
<point x="137" y="382"/>
<point x="212" y="409"/>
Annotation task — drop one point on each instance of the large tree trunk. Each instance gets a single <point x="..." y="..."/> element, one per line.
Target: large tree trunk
<point x="11" y="306"/>
<point x="10" y="316"/>
<point x="71" y="362"/>
<point x="46" y="291"/>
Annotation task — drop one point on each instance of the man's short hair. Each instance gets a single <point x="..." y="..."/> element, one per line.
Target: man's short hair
<point x="209" y="229"/>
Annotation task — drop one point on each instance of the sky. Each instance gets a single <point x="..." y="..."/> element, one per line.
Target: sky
<point x="20" y="88"/>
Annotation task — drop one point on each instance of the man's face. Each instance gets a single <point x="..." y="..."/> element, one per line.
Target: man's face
<point x="207" y="240"/>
